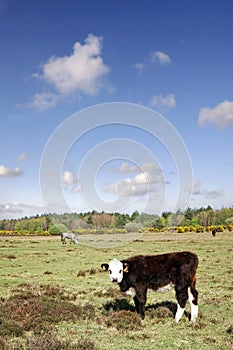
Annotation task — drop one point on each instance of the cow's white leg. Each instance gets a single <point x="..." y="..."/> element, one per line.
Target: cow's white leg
<point x="194" y="308"/>
<point x="179" y="313"/>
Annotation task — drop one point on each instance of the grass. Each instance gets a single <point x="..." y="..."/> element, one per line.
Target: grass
<point x="55" y="296"/>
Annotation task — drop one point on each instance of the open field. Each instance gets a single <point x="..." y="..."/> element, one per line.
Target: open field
<point x="55" y="296"/>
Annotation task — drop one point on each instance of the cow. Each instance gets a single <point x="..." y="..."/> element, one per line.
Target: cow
<point x="72" y="236"/>
<point x="214" y="232"/>
<point x="138" y="274"/>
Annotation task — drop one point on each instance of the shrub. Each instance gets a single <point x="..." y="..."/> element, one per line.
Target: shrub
<point x="124" y="320"/>
<point x="133" y="226"/>
<point x="180" y="229"/>
<point x="200" y="228"/>
<point x="220" y="228"/>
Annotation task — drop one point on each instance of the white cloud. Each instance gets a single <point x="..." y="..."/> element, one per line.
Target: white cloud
<point x="4" y="171"/>
<point x="16" y="210"/>
<point x="129" y="168"/>
<point x="197" y="190"/>
<point x="221" y="115"/>
<point x="160" y="58"/>
<point x="139" y="67"/>
<point x="43" y="101"/>
<point x="161" y="101"/>
<point x="81" y="72"/>
<point x="21" y="157"/>
<point x="75" y="189"/>
<point x="155" y="57"/>
<point x="68" y="178"/>
<point x="148" y="176"/>
<point x="70" y="182"/>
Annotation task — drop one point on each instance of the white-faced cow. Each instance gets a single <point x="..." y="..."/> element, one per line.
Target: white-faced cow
<point x="140" y="273"/>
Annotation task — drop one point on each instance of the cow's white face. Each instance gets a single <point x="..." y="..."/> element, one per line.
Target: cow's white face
<point x="115" y="270"/>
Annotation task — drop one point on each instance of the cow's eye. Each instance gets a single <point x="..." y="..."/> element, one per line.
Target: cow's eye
<point x="120" y="271"/>
<point x="110" y="272"/>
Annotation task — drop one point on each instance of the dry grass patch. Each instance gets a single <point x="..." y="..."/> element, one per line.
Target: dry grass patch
<point x="124" y="321"/>
<point x="38" y="310"/>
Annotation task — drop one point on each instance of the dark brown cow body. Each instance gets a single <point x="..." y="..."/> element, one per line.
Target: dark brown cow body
<point x="159" y="273"/>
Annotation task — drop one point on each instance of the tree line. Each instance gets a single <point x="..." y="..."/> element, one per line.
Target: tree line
<point x="92" y="220"/>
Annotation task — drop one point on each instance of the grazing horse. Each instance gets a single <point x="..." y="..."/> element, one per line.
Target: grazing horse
<point x="72" y="236"/>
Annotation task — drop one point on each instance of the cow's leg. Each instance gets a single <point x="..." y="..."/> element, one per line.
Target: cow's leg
<point x="140" y="300"/>
<point x="136" y="303"/>
<point x="182" y="297"/>
<point x="193" y="300"/>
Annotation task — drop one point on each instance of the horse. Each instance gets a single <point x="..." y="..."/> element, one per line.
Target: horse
<point x="72" y="236"/>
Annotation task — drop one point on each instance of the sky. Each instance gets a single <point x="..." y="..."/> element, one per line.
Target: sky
<point x="115" y="106"/>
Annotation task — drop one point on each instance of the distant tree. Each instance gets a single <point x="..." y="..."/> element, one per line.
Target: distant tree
<point x="134" y="216"/>
<point x="159" y="223"/>
<point x="57" y="229"/>
<point x="189" y="214"/>
<point x="89" y="219"/>
<point x="176" y="219"/>
<point x="121" y="220"/>
<point x="229" y="221"/>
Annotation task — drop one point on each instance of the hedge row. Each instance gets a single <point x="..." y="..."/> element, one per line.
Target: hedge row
<point x="183" y="229"/>
<point x="179" y="229"/>
<point x="48" y="233"/>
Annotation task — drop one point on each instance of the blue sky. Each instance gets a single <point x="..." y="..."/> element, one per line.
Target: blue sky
<point x="60" y="59"/>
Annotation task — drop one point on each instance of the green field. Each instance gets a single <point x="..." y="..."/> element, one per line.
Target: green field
<point x="55" y="296"/>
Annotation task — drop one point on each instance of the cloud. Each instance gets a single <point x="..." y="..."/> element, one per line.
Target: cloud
<point x="7" y="172"/>
<point x="128" y="168"/>
<point x="161" y="101"/>
<point x="43" y="101"/>
<point x="75" y="189"/>
<point x="81" y="72"/>
<point x="207" y="194"/>
<point x="140" y="67"/>
<point x="160" y="57"/>
<point x="16" y="210"/>
<point x="154" y="57"/>
<point x="69" y="182"/>
<point x="68" y="178"/>
<point x="147" y="176"/>
<point x="21" y="157"/>
<point x="221" y="115"/>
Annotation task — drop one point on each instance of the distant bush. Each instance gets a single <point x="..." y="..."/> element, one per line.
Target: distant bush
<point x="133" y="227"/>
<point x="200" y="228"/>
<point x="220" y="228"/>
<point x="153" y="229"/>
<point x="180" y="229"/>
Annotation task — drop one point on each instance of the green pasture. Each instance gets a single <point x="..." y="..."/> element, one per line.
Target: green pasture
<point x="55" y="296"/>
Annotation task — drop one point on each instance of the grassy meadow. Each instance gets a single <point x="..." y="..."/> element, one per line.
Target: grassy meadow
<point x="55" y="296"/>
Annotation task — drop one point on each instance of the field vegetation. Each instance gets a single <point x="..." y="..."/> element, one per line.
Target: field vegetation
<point x="55" y="296"/>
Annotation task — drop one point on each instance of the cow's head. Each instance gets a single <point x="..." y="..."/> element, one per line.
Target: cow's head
<point x="116" y="268"/>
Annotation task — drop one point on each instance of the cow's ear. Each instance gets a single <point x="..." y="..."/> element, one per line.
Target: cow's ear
<point x="125" y="267"/>
<point x="104" y="266"/>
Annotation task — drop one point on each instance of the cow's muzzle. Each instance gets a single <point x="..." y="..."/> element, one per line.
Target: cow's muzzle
<point x="114" y="280"/>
